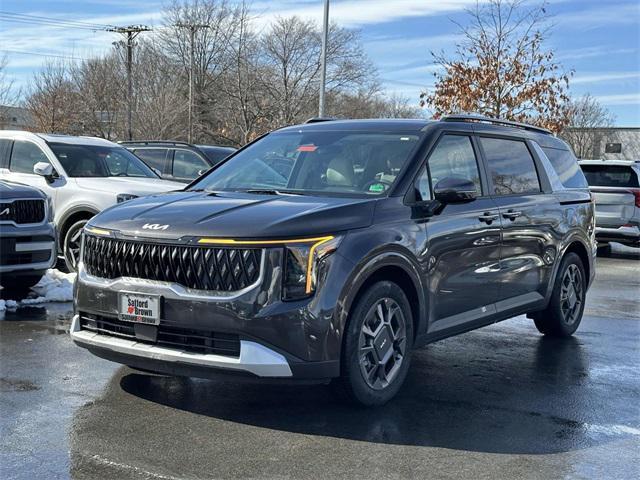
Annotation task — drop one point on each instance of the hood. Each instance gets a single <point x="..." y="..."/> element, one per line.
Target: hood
<point x="236" y="215"/>
<point x="135" y="185"/>
<point x="11" y="190"/>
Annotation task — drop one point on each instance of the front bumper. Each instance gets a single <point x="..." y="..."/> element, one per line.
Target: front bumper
<point x="254" y="358"/>
<point x="27" y="249"/>
<point x="629" y="235"/>
<point x="278" y="340"/>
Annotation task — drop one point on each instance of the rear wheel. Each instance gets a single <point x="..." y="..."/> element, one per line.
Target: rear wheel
<point x="604" y="250"/>
<point x="377" y="348"/>
<point x="563" y="315"/>
<point x="71" y="245"/>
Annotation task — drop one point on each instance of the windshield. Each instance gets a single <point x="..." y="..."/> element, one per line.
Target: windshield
<point x="99" y="161"/>
<point x="349" y="163"/>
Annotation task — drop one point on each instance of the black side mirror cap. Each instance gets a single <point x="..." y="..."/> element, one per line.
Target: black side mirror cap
<point x="455" y="190"/>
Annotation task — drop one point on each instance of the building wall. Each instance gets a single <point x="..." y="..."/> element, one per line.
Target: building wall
<point x="15" y="118"/>
<point x="628" y="139"/>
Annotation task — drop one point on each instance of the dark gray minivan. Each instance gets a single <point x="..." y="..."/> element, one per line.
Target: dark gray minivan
<point x="327" y="252"/>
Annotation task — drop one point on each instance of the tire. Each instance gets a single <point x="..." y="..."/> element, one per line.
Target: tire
<point x="563" y="315"/>
<point x="604" y="250"/>
<point x="388" y="352"/>
<point x="71" y="244"/>
<point x="22" y="283"/>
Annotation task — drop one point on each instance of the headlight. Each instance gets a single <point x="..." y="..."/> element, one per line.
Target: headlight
<point x="123" y="197"/>
<point x="303" y="263"/>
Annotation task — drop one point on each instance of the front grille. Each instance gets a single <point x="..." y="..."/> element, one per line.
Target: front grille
<point x="220" y="269"/>
<point x="187" y="339"/>
<point x="22" y="211"/>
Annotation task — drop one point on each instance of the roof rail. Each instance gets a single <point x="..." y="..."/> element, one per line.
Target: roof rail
<point x="320" y="119"/>
<point x="494" y="121"/>
<point x="154" y="142"/>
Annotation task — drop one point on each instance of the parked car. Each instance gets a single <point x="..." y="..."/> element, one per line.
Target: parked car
<point x="81" y="175"/>
<point x="378" y="237"/>
<point x="182" y="162"/>
<point x="27" y="235"/>
<point x="615" y="185"/>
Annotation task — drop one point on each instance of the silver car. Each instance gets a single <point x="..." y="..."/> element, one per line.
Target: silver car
<point x="81" y="175"/>
<point x="615" y="185"/>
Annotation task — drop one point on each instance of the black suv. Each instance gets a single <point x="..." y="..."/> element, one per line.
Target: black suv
<point x="178" y="161"/>
<point x="331" y="250"/>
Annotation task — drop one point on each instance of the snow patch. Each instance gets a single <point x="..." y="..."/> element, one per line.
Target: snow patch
<point x="55" y="286"/>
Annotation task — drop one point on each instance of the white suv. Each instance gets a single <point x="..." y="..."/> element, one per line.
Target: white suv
<point x="81" y="175"/>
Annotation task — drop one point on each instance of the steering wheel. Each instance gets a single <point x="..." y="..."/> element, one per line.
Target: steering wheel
<point x="373" y="182"/>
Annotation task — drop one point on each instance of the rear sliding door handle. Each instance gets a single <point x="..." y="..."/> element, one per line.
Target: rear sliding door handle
<point x="488" y="217"/>
<point x="511" y="214"/>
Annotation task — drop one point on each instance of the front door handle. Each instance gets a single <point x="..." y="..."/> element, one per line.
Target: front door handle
<point x="488" y="217"/>
<point x="511" y="214"/>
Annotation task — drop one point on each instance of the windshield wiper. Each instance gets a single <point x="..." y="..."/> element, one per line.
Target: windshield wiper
<point x="272" y="192"/>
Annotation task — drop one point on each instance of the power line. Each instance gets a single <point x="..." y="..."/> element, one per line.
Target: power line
<point x="55" y="22"/>
<point x="53" y="55"/>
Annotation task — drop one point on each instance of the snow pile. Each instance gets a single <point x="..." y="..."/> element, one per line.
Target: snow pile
<point x="55" y="286"/>
<point x="8" y="304"/>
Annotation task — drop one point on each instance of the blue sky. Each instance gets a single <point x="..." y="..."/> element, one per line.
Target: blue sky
<point x="600" y="40"/>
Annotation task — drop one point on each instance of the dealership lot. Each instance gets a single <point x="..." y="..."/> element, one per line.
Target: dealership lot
<point x="499" y="402"/>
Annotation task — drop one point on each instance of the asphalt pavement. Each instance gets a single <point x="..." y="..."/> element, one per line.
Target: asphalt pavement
<point x="500" y="402"/>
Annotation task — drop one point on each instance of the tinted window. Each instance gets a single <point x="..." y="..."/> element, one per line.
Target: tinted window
<point x="153" y="157"/>
<point x="187" y="164"/>
<point x="99" y="161"/>
<point x="610" y="176"/>
<point x="350" y="162"/>
<point x="566" y="166"/>
<point x="511" y="166"/>
<point x="216" y="155"/>
<point x="24" y="156"/>
<point x="454" y="157"/>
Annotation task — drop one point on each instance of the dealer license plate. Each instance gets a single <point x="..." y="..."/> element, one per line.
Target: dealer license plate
<point x="139" y="308"/>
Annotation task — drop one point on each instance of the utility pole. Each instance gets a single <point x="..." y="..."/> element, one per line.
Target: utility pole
<point x="130" y="33"/>
<point x="323" y="57"/>
<point x="192" y="33"/>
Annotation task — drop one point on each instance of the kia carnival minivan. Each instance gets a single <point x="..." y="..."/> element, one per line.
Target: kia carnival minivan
<point x="328" y="252"/>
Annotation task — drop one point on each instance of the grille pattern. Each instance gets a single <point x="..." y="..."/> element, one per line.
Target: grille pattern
<point x="188" y="339"/>
<point x="22" y="211"/>
<point x="219" y="269"/>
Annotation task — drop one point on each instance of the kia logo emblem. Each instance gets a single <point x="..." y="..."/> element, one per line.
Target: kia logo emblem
<point x="6" y="211"/>
<point x="154" y="226"/>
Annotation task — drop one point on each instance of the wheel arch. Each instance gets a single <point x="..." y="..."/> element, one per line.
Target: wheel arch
<point x="70" y="217"/>
<point x="392" y="266"/>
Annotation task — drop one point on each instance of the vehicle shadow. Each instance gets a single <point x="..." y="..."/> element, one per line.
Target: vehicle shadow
<point x="514" y="399"/>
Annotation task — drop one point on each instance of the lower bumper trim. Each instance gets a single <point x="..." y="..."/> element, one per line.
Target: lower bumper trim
<point x="254" y="358"/>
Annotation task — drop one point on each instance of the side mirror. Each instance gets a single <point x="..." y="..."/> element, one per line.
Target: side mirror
<point x="455" y="190"/>
<point x="44" y="169"/>
<point x="202" y="171"/>
<point x="156" y="171"/>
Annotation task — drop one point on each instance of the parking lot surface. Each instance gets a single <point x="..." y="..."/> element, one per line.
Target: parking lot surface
<point x="500" y="402"/>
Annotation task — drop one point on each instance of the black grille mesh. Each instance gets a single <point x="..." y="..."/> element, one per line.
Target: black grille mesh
<point x="22" y="211"/>
<point x="202" y="268"/>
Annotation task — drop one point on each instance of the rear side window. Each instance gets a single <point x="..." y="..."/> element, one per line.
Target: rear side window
<point x="567" y="168"/>
<point x="511" y="166"/>
<point x="153" y="157"/>
<point x="5" y="147"/>
<point x="610" y="176"/>
<point x="24" y="156"/>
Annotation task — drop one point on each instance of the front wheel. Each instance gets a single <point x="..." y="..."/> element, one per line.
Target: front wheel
<point x="563" y="315"/>
<point x="71" y="245"/>
<point x="377" y="345"/>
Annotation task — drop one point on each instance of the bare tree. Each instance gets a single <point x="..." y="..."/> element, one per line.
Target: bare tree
<point x="100" y="92"/>
<point x="210" y="48"/>
<point x="502" y="69"/>
<point x="52" y="100"/>
<point x="8" y="95"/>
<point x="160" y="109"/>
<point x="586" y="115"/>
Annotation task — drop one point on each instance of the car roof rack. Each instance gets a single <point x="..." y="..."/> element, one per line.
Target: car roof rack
<point x="493" y="121"/>
<point x="320" y="119"/>
<point x="154" y="142"/>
